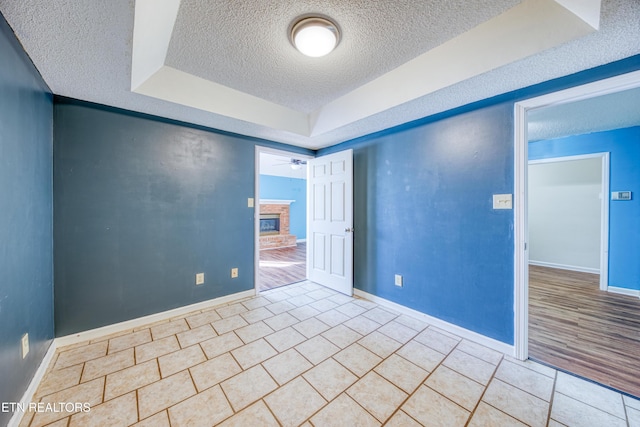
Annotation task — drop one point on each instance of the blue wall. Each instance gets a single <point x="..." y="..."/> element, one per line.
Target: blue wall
<point x="26" y="255"/>
<point x="624" y="224"/>
<point x="423" y="209"/>
<point x="142" y="205"/>
<point x="279" y="187"/>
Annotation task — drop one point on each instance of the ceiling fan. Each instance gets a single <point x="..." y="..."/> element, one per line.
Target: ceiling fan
<point x="294" y="163"/>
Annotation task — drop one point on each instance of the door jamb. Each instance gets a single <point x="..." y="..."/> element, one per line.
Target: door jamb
<point x="521" y="250"/>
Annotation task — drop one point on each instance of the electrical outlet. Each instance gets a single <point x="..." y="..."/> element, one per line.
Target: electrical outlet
<point x="25" y="345"/>
<point x="234" y="273"/>
<point x="250" y="202"/>
<point x="199" y="278"/>
<point x="398" y="281"/>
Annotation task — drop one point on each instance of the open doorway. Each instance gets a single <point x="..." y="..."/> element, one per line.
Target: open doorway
<point x="583" y="320"/>
<point x="281" y="213"/>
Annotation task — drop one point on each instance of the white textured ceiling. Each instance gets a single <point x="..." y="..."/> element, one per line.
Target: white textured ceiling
<point x="397" y="60"/>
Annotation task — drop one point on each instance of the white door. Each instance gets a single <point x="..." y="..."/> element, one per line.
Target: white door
<point x="330" y="223"/>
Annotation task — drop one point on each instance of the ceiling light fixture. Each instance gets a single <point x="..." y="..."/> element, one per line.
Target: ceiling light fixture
<point x="315" y="36"/>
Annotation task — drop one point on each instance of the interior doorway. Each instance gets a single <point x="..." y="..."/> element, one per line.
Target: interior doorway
<point x="281" y="218"/>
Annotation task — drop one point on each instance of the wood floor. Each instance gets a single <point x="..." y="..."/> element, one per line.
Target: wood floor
<point x="279" y="267"/>
<point x="578" y="328"/>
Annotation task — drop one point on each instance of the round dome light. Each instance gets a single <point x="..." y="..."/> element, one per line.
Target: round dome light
<point x="315" y="37"/>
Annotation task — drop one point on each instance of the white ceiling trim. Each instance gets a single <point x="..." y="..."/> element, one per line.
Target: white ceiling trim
<point x="526" y="29"/>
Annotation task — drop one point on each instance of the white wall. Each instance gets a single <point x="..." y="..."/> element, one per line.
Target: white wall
<point x="564" y="214"/>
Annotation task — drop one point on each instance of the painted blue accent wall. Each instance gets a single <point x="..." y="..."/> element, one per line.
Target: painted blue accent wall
<point x="423" y="208"/>
<point x="141" y="205"/>
<point x="624" y="174"/>
<point x="279" y="187"/>
<point x="26" y="220"/>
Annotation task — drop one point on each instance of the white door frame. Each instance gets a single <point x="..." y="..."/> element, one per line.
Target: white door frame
<point x="256" y="203"/>
<point x="604" y="206"/>
<point x="521" y="250"/>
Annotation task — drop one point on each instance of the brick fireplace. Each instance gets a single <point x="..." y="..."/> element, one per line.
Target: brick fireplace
<point x="274" y="224"/>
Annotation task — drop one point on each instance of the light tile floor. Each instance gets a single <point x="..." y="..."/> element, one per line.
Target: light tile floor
<point x="305" y="355"/>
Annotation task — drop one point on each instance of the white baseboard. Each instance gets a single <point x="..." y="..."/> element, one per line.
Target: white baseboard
<point x="33" y="385"/>
<point x="624" y="291"/>
<point x="565" y="267"/>
<point x="141" y="321"/>
<point x="446" y="326"/>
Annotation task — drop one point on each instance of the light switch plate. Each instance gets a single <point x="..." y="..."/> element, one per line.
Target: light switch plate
<point x="199" y="278"/>
<point x="502" y="201"/>
<point x="398" y="280"/>
<point x="250" y="202"/>
<point x="25" y="345"/>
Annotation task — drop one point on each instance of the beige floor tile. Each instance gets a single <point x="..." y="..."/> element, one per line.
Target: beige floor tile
<point x="398" y="331"/>
<point x="519" y="404"/>
<point x="591" y="394"/>
<point x="203" y="318"/>
<point x="488" y="416"/>
<point x="525" y="379"/>
<point x="380" y="344"/>
<point x="204" y="409"/>
<point x="121" y="382"/>
<point x="330" y="378"/>
<point x="294" y="402"/>
<point x="554" y="423"/>
<point x="350" y="309"/>
<point x="248" y="386"/>
<point x="214" y="371"/>
<point x="304" y="312"/>
<point x="633" y="415"/>
<point x="164" y="393"/>
<point x="257" y="302"/>
<point x="180" y="360"/>
<point x="229" y="324"/>
<point x="60" y="423"/>
<point x="295" y="290"/>
<point x="169" y="328"/>
<point x="357" y="359"/>
<point x="60" y="379"/>
<point x="323" y="305"/>
<point x="343" y="411"/>
<point x="122" y="411"/>
<point x="415" y="324"/>
<point x="285" y="339"/>
<point x="255" y="415"/>
<point x="421" y="355"/>
<point x="364" y="303"/>
<point x="253" y="353"/>
<point x="253" y="332"/>
<point x="470" y="366"/>
<point x="401" y="419"/>
<point x="286" y="366"/>
<point x="107" y="364"/>
<point x="130" y="340"/>
<point x="402" y="373"/>
<point x="161" y="419"/>
<point x="319" y="294"/>
<point x="534" y="366"/>
<point x="300" y="300"/>
<point x="231" y="310"/>
<point x="81" y="354"/>
<point x="377" y="395"/>
<point x="380" y="315"/>
<point x="311" y="327"/>
<point x="480" y="351"/>
<point x="362" y="325"/>
<point x="458" y="388"/>
<point x="578" y="414"/>
<point x="437" y="341"/>
<point x="281" y="321"/>
<point x="340" y="299"/>
<point x="342" y="336"/>
<point x="432" y="409"/>
<point x="221" y="344"/>
<point x="275" y="295"/>
<point x="155" y="349"/>
<point x="195" y="336"/>
<point x="256" y="315"/>
<point x="89" y="392"/>
<point x="280" y="307"/>
<point x="332" y="317"/>
<point x="631" y="402"/>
